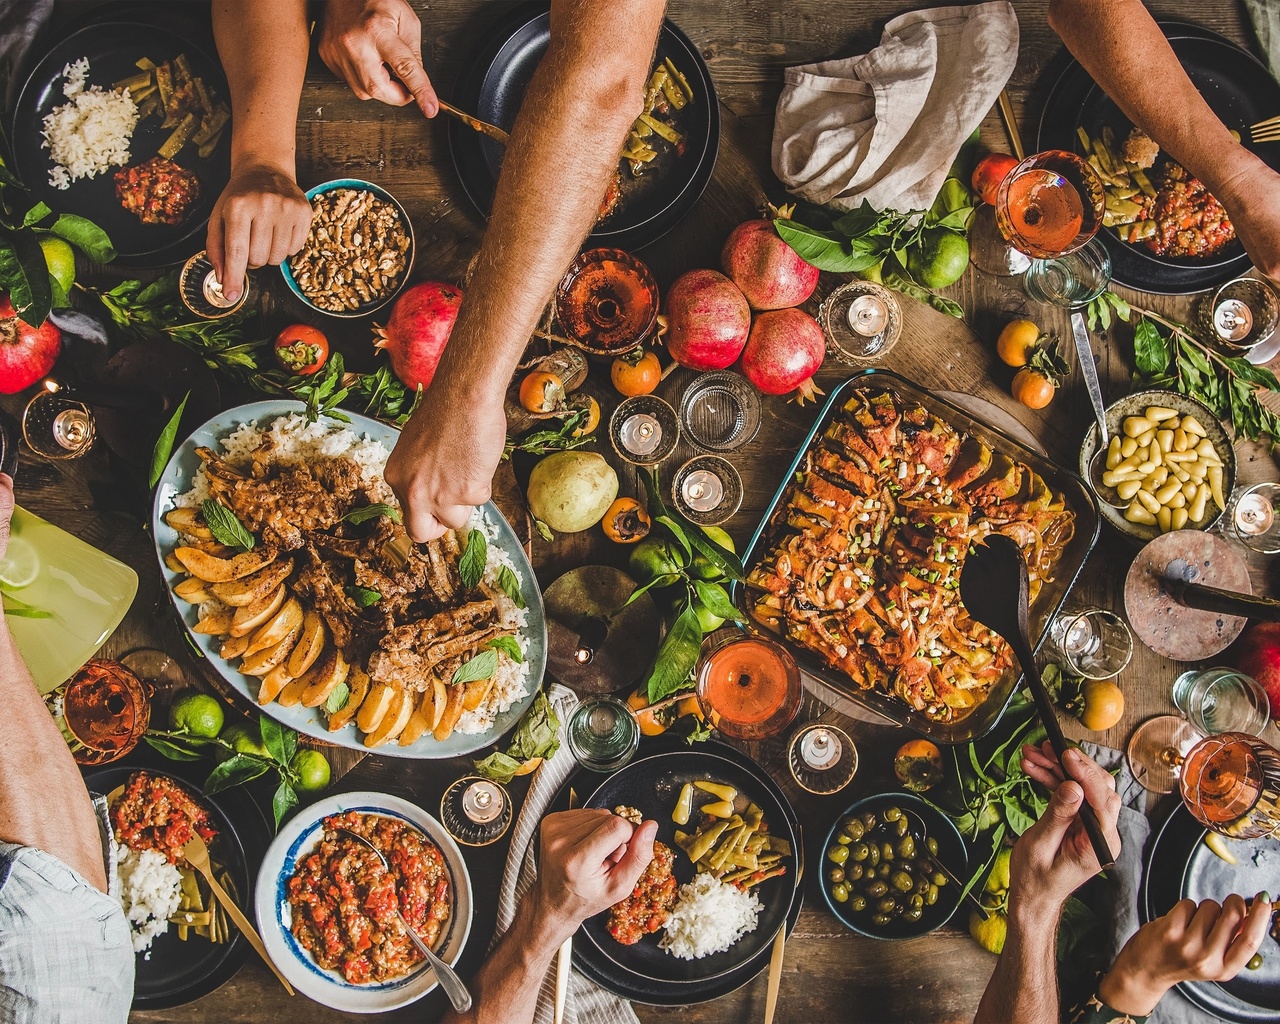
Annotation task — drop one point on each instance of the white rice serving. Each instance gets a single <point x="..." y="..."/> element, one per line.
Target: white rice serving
<point x="91" y="134"/>
<point x="292" y="441"/>
<point x="710" y="916"/>
<point x="150" y="891"/>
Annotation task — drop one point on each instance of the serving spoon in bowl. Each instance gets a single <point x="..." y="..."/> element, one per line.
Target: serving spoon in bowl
<point x="453" y="986"/>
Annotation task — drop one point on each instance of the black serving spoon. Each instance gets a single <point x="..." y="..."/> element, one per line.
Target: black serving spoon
<point x="993" y="587"/>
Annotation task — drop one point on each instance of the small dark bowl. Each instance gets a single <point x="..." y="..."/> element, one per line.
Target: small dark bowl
<point x="951" y="851"/>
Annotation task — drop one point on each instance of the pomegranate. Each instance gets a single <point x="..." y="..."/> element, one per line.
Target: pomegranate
<point x="1257" y="654"/>
<point x="415" y="335"/>
<point x="785" y="349"/>
<point x="707" y="320"/>
<point x="26" y="353"/>
<point x="770" y="273"/>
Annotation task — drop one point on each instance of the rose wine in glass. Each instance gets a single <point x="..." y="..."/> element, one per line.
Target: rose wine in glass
<point x="1231" y="784"/>
<point x="607" y="302"/>
<point x="1050" y="205"/>
<point x="102" y="710"/>
<point x="749" y="687"/>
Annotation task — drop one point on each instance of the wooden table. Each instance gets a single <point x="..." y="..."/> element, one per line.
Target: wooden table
<point x="828" y="970"/>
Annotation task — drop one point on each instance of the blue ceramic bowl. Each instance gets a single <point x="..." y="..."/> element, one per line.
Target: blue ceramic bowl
<point x="363" y="186"/>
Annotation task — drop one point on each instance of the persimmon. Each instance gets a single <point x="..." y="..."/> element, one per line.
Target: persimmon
<point x="541" y="392"/>
<point x="626" y="521"/>
<point x="652" y="723"/>
<point x="1017" y="341"/>
<point x="1037" y="382"/>
<point x="593" y="414"/>
<point x="636" y="373"/>
<point x="918" y="765"/>
<point x="1101" y="704"/>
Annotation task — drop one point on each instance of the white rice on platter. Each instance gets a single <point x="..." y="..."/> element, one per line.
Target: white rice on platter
<point x="292" y="441"/>
<point x="150" y="891"/>
<point x="710" y="916"/>
<point x="91" y="134"/>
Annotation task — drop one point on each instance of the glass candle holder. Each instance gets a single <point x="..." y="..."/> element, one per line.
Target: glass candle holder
<point x="57" y="426"/>
<point x="707" y="489"/>
<point x="862" y="321"/>
<point x="603" y="733"/>
<point x="749" y="687"/>
<point x="476" y="811"/>
<point x="607" y="302"/>
<point x="720" y="411"/>
<point x="822" y="758"/>
<point x="1094" y="642"/>
<point x="644" y="430"/>
<point x="102" y="710"/>
<point x="1253" y="517"/>
<point x="201" y="291"/>
<point x="1240" y="316"/>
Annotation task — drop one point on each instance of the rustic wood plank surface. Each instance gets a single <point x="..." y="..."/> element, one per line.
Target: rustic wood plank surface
<point x="829" y="974"/>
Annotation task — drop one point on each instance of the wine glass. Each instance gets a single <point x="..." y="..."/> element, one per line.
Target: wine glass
<point x="1231" y="784"/>
<point x="749" y="687"/>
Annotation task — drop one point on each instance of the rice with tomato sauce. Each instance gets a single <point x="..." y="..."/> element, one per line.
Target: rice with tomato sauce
<point x="344" y="902"/>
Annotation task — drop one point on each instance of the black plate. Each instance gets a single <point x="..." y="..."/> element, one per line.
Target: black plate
<point x="493" y="85"/>
<point x="1179" y="866"/>
<point x="951" y="851"/>
<point x="174" y="972"/>
<point x="112" y="48"/>
<point x="1240" y="91"/>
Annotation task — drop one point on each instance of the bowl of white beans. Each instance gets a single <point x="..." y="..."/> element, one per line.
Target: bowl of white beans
<point x="1169" y="465"/>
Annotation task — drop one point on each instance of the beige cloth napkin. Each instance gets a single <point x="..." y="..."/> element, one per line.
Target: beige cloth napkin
<point x="587" y="1003"/>
<point x="886" y="126"/>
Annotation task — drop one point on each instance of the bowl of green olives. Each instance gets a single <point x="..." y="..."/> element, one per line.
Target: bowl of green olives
<point x="880" y="867"/>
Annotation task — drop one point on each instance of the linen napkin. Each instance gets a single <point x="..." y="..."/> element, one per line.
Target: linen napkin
<point x="586" y="1002"/>
<point x="1265" y="15"/>
<point x="887" y="125"/>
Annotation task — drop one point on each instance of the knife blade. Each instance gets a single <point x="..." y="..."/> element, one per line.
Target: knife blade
<point x="1084" y="355"/>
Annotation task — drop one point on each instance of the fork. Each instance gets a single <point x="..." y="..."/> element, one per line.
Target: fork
<point x="1267" y="130"/>
<point x="453" y="986"/>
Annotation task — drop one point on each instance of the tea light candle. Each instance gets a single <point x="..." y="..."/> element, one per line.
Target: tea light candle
<point x="71" y="428"/>
<point x="212" y="289"/>
<point x="820" y="748"/>
<point x="1254" y="515"/>
<point x="702" y="490"/>
<point x="868" y="315"/>
<point x="482" y="802"/>
<point x="1232" y="320"/>
<point x="641" y="434"/>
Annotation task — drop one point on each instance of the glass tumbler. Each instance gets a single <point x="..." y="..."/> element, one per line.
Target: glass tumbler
<point x="1094" y="642"/>
<point x="1222" y="700"/>
<point x="1070" y="281"/>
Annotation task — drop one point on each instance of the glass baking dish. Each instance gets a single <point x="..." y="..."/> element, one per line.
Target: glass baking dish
<point x="832" y="685"/>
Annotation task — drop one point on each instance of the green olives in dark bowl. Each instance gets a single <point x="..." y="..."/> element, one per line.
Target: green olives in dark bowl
<point x="881" y="867"/>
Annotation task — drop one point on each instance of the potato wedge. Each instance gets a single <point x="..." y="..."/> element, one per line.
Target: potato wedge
<point x="192" y="591"/>
<point x="309" y="646"/>
<point x="439" y="701"/>
<point x="292" y="692"/>
<point x="452" y="712"/>
<point x="233" y="647"/>
<point x="393" y="722"/>
<point x="188" y="521"/>
<point x="422" y="718"/>
<point x="475" y="692"/>
<point x="255" y="586"/>
<point x="212" y="569"/>
<point x="259" y="663"/>
<point x="174" y="563"/>
<point x="287" y="620"/>
<point x="358" y="680"/>
<point x="333" y="671"/>
<point x="215" y="623"/>
<point x="251" y="616"/>
<point x="272" y="683"/>
<point x="375" y="706"/>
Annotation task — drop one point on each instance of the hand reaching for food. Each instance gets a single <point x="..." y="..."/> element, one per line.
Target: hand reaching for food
<point x="362" y="39"/>
<point x="261" y="218"/>
<point x="1253" y="199"/>
<point x="1193" y="942"/>
<point x="588" y="861"/>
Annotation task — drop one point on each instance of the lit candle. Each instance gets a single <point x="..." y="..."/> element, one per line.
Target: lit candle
<point x="820" y="749"/>
<point x="1232" y="320"/>
<point x="71" y="428"/>
<point x="212" y="289"/>
<point x="1254" y="515"/>
<point x="702" y="490"/>
<point x="641" y="434"/>
<point x="868" y="315"/>
<point x="482" y="802"/>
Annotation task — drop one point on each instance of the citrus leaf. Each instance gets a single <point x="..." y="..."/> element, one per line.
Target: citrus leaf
<point x="170" y="750"/>
<point x="25" y="274"/>
<point x="234" y="771"/>
<point x="822" y="250"/>
<point x="676" y="657"/>
<point x="716" y="601"/>
<point x="35" y="215"/>
<point x="281" y="742"/>
<point x="86" y="236"/>
<point x="284" y="800"/>
<point x="164" y="443"/>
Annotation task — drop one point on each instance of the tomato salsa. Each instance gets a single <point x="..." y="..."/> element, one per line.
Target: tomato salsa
<point x="647" y="908"/>
<point x="155" y="813"/>
<point x="344" y="902"/>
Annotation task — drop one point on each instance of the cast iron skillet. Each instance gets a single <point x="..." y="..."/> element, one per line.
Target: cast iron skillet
<point x="1241" y="92"/>
<point x="1179" y="866"/>
<point x="174" y="972"/>
<point x="492" y="86"/>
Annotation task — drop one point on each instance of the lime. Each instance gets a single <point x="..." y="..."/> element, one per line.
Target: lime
<point x="20" y="565"/>
<point x="708" y="620"/>
<point x="312" y="769"/>
<point x="989" y="934"/>
<point x="245" y="738"/>
<point x="702" y="569"/>
<point x="60" y="259"/>
<point x="998" y="880"/>
<point x="654" y="557"/>
<point x="940" y="260"/>
<point x="197" y="714"/>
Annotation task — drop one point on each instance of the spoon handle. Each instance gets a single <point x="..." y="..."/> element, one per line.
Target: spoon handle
<point x="449" y="981"/>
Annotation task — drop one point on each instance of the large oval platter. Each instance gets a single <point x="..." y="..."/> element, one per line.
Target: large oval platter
<point x="177" y="479"/>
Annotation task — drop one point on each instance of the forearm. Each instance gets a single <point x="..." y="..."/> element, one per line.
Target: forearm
<point x="263" y="47"/>
<point x="1122" y="48"/>
<point x="43" y="800"/>
<point x="505" y="991"/>
<point x="564" y="146"/>
<point x="1024" y="986"/>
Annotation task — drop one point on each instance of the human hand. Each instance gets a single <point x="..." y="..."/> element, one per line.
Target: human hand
<point x="1054" y="857"/>
<point x="443" y="464"/>
<point x="1252" y="199"/>
<point x="261" y="217"/>
<point x="587" y="862"/>
<point x="360" y="39"/>
<point x="1192" y="942"/>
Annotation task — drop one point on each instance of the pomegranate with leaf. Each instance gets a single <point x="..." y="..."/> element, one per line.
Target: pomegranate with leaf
<point x="26" y="353"/>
